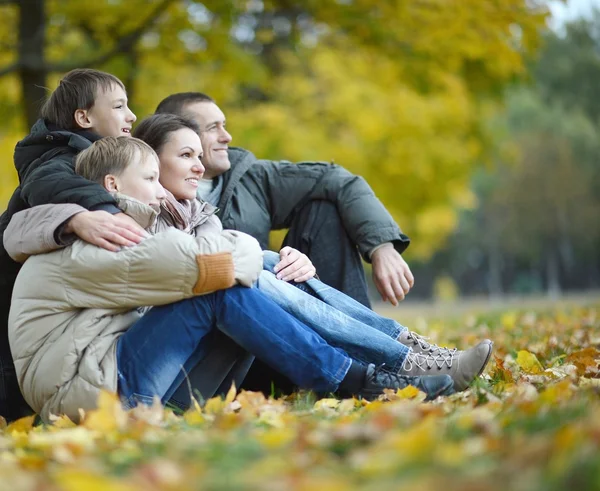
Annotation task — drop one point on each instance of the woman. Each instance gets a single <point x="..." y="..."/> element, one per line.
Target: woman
<point x="339" y="319"/>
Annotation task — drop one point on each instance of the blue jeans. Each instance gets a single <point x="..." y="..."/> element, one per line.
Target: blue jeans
<point x="154" y="355"/>
<point x="339" y="319"/>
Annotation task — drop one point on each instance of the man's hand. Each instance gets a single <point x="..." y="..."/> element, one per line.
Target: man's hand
<point x="391" y="274"/>
<point x="111" y="232"/>
<point x="294" y="266"/>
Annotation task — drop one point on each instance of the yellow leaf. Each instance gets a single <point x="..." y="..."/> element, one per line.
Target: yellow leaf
<point x="231" y="394"/>
<point x="529" y="363"/>
<point x="276" y="437"/>
<point x="109" y="416"/>
<point x="326" y="404"/>
<point x="193" y="417"/>
<point x="214" y="405"/>
<point x="23" y="425"/>
<point x="409" y="392"/>
<point x="59" y="422"/>
<point x="509" y="320"/>
<point x="76" y="480"/>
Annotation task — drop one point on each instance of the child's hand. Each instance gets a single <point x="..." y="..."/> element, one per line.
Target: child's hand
<point x="294" y="266"/>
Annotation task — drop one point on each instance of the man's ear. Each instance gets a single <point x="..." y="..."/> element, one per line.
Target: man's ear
<point x="82" y="119"/>
<point x="111" y="183"/>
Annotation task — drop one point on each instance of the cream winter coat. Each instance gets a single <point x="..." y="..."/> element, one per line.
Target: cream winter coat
<point x="70" y="306"/>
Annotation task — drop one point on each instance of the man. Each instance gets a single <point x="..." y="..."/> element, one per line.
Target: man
<point x="333" y="216"/>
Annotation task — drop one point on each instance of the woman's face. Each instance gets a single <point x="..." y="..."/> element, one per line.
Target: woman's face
<point x="180" y="165"/>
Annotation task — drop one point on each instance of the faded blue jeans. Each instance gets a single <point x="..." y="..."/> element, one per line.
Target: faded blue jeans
<point x="155" y="354"/>
<point x="339" y="319"/>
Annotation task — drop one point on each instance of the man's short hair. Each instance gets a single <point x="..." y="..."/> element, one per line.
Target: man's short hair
<point x="176" y="103"/>
<point x="111" y="155"/>
<point x="156" y="130"/>
<point x="78" y="89"/>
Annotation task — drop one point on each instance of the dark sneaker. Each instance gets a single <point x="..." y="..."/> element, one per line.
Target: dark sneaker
<point x="419" y="344"/>
<point x="462" y="366"/>
<point x="378" y="379"/>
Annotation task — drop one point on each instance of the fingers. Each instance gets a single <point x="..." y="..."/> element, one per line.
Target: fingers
<point x="126" y="234"/>
<point x="288" y="257"/>
<point x="294" y="266"/>
<point x="302" y="274"/>
<point x="285" y="251"/>
<point x="409" y="276"/>
<point x="404" y="285"/>
<point x="387" y="292"/>
<point x="398" y="291"/>
<point x="105" y="244"/>
<point x="129" y="224"/>
<point x="116" y="238"/>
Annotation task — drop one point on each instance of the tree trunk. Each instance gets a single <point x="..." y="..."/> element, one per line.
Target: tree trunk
<point x="32" y="71"/>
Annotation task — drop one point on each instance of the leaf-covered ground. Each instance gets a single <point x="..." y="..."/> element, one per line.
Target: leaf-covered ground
<point x="533" y="422"/>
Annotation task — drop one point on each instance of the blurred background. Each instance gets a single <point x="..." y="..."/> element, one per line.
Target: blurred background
<point x="476" y="122"/>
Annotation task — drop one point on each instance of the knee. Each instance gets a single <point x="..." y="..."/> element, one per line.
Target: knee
<point x="270" y="259"/>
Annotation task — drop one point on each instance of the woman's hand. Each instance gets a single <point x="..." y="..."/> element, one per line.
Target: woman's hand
<point x="294" y="266"/>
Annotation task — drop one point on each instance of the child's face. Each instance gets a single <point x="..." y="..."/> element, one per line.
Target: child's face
<point x="180" y="164"/>
<point x="110" y="115"/>
<point x="140" y="181"/>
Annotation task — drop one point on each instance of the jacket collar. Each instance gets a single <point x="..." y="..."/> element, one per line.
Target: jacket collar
<point x="143" y="214"/>
<point x="241" y="160"/>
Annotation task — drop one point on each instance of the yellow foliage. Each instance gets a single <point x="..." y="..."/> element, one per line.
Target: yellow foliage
<point x="109" y="416"/>
<point x="529" y="362"/>
<point x="395" y="91"/>
<point x="77" y="480"/>
<point x="23" y="425"/>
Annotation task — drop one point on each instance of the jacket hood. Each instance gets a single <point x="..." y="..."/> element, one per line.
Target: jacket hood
<point x="43" y="139"/>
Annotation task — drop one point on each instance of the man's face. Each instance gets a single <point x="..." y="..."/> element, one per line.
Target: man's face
<point x="110" y="116"/>
<point x="214" y="137"/>
<point x="140" y="181"/>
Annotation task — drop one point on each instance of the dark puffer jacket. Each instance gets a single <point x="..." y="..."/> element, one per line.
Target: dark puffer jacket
<point x="44" y="162"/>
<point x="262" y="195"/>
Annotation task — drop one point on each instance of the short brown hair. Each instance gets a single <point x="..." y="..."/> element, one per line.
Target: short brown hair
<point x="156" y="130"/>
<point x="78" y="89"/>
<point x="176" y="103"/>
<point x="110" y="155"/>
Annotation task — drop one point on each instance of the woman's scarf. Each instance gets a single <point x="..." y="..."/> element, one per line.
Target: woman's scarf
<point x="184" y="215"/>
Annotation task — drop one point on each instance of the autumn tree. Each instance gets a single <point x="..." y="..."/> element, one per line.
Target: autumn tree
<point x="396" y="91"/>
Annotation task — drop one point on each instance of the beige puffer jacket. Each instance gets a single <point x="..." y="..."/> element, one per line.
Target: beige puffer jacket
<point x="70" y="306"/>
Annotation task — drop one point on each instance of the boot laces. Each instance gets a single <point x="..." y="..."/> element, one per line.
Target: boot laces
<point x="422" y="342"/>
<point x="427" y="362"/>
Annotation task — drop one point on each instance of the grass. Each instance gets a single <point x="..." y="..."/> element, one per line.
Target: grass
<point x="532" y="422"/>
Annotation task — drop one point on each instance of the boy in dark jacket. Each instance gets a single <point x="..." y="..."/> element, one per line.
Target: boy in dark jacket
<point x="86" y="106"/>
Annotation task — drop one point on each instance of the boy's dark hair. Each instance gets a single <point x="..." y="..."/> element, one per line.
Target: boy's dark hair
<point x="156" y="129"/>
<point x="111" y="155"/>
<point x="175" y="103"/>
<point x="78" y="89"/>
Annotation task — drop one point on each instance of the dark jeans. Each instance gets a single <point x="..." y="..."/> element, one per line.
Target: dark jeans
<point x="158" y="351"/>
<point x="318" y="232"/>
<point x="12" y="404"/>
